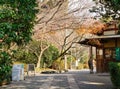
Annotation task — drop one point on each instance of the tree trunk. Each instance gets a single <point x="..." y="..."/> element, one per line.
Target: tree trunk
<point x="39" y="59"/>
<point x="40" y="56"/>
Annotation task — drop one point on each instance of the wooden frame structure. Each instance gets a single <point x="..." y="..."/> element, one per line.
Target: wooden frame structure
<point x="107" y="48"/>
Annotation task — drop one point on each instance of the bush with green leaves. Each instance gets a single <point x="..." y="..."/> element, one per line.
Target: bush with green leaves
<point x="115" y="74"/>
<point x="49" y="56"/>
<point x="17" y="20"/>
<point x="16" y="23"/>
<point x="5" y="67"/>
<point x="25" y="57"/>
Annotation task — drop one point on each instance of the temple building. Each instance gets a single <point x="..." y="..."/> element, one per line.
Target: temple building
<point x="107" y="46"/>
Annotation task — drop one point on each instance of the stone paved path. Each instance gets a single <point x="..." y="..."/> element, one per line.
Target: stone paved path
<point x="70" y="80"/>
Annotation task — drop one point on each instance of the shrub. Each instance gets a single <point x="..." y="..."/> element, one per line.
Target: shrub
<point x="5" y="68"/>
<point x="85" y="66"/>
<point x="115" y="74"/>
<point x="80" y="66"/>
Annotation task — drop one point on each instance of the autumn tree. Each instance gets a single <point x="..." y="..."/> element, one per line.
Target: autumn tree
<point x="59" y="15"/>
<point x="62" y="14"/>
<point x="58" y="20"/>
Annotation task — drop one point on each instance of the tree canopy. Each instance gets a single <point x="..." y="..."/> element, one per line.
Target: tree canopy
<point x="108" y="9"/>
<point x="16" y="20"/>
<point x="50" y="55"/>
<point x="16" y="24"/>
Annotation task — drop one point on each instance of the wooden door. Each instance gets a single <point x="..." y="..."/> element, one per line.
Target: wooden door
<point x="99" y="60"/>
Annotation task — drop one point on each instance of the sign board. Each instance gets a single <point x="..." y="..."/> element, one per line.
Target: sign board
<point x="31" y="67"/>
<point x="18" y="72"/>
<point x="15" y="74"/>
<point x="117" y="50"/>
<point x="18" y="66"/>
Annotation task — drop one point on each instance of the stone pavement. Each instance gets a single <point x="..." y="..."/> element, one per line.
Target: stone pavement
<point x="69" y="80"/>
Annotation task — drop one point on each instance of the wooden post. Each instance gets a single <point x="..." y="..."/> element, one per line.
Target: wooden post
<point x="90" y="51"/>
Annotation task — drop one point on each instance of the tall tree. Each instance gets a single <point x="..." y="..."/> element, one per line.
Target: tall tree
<point x="38" y="48"/>
<point x="58" y="21"/>
<point x="59" y="15"/>
<point x="16" y="23"/>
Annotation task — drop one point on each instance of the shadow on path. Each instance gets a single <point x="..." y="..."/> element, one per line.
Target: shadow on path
<point x="85" y="80"/>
